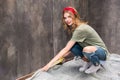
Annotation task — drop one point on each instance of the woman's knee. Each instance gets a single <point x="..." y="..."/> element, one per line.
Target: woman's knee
<point x="89" y="49"/>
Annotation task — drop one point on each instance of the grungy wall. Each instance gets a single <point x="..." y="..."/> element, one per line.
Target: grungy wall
<point x="31" y="32"/>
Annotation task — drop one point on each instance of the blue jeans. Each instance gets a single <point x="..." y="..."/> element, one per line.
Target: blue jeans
<point x="77" y="50"/>
<point x="94" y="57"/>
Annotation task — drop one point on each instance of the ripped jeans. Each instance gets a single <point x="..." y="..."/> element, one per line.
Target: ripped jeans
<point x="93" y="57"/>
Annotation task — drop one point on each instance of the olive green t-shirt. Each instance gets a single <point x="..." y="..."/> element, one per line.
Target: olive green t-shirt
<point x="85" y="35"/>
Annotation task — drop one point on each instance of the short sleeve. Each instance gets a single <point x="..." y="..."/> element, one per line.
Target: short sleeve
<point x="79" y="35"/>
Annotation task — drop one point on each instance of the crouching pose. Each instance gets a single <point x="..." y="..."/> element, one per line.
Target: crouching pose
<point x="85" y="42"/>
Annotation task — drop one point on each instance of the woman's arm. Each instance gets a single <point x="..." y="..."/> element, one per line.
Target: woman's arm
<point x="62" y="53"/>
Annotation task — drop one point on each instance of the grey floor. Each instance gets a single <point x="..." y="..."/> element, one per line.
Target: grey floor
<point x="70" y="71"/>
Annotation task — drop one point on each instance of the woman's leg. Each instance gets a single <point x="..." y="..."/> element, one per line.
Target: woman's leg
<point x="94" y="55"/>
<point x="77" y="50"/>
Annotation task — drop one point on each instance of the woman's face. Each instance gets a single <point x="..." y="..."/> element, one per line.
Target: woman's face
<point x="68" y="18"/>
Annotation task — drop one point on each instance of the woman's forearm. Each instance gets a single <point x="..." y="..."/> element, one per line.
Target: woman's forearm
<point x="62" y="53"/>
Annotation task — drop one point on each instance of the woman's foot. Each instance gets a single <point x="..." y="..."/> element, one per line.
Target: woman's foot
<point x="85" y="66"/>
<point x="93" y="69"/>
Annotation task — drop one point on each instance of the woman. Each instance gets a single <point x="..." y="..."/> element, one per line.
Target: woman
<point x="85" y="42"/>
